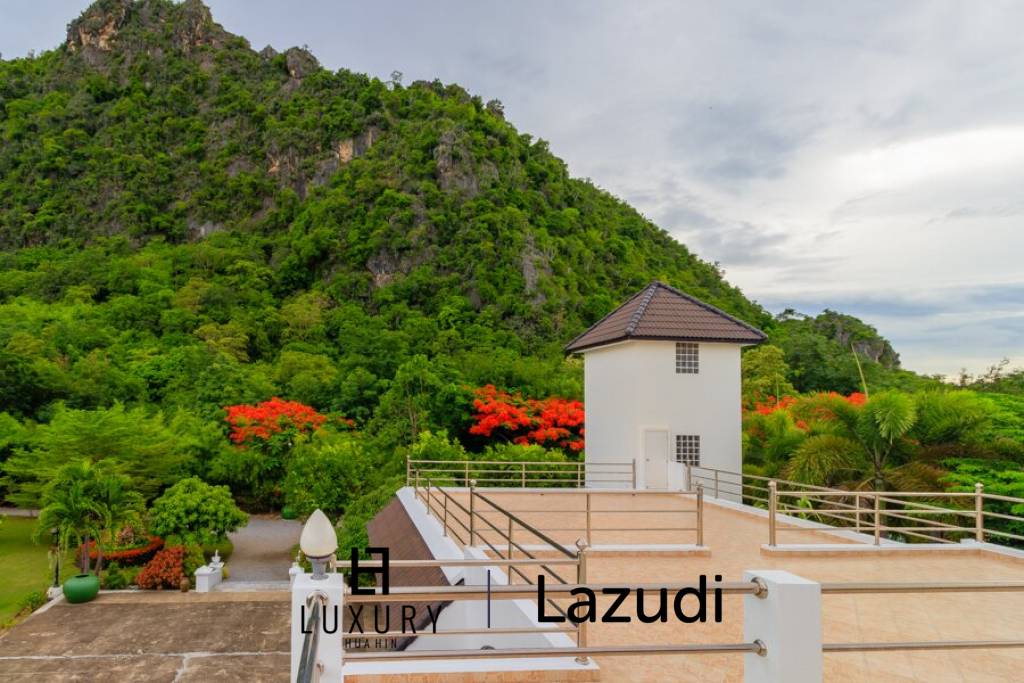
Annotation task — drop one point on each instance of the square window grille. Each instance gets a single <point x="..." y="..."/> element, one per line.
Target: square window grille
<point x="687" y="358"/>
<point x="688" y="449"/>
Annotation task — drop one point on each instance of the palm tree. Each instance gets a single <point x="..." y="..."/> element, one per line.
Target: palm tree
<point x="119" y="504"/>
<point x="86" y="501"/>
<point x="877" y="445"/>
<point x="70" y="508"/>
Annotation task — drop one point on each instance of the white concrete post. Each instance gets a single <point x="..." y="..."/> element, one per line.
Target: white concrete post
<point x="788" y="621"/>
<point x="329" y="650"/>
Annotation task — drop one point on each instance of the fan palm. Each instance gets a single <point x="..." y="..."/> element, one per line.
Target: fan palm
<point x="857" y="446"/>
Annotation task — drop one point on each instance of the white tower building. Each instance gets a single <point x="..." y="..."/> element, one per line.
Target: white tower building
<point x="662" y="388"/>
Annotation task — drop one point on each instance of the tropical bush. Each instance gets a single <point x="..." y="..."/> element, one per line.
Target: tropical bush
<point x="130" y="556"/>
<point x="165" y="570"/>
<point x="194" y="512"/>
<point x="86" y="502"/>
<point x="894" y="439"/>
<point x="327" y="472"/>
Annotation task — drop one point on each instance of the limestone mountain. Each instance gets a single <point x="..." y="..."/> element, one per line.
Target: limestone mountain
<point x="173" y="201"/>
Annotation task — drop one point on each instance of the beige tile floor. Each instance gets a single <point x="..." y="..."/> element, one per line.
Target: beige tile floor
<point x="735" y="539"/>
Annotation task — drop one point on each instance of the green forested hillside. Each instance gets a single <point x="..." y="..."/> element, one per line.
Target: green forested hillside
<point x="187" y="224"/>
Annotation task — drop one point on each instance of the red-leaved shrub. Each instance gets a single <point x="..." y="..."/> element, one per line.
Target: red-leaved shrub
<point x="129" y="557"/>
<point x="165" y="570"/>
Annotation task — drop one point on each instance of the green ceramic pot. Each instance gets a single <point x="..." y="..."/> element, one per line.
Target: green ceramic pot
<point x="81" y="588"/>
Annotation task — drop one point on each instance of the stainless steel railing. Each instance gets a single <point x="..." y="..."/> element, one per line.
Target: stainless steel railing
<point x="915" y="516"/>
<point x="584" y="514"/>
<point x="310" y="667"/>
<point x="921" y="587"/>
<point x="522" y="474"/>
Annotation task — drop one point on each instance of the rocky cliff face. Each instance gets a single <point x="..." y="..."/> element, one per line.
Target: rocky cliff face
<point x="108" y="25"/>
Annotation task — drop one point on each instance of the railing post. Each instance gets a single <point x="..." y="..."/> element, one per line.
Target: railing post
<point x="785" y="618"/>
<point x="979" y="512"/>
<point x="329" y="650"/>
<point x="633" y="486"/>
<point x="466" y="480"/>
<point x="716" y="484"/>
<point x="700" y="514"/>
<point x="472" y="513"/>
<point x="510" y="547"/>
<point x="579" y="475"/>
<point x="581" y="579"/>
<point x="408" y="470"/>
<point x="688" y="472"/>
<point x="523" y="474"/>
<point x="428" y="498"/>
<point x="773" y="502"/>
<point x="444" y="524"/>
<point x="589" y="541"/>
<point x="878" y="520"/>
<point x="856" y="502"/>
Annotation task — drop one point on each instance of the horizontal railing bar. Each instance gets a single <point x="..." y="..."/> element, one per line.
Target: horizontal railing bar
<point x="471" y="632"/>
<point x="585" y="465"/>
<point x="998" y="515"/>
<point x="347" y="564"/>
<point x="872" y="494"/>
<point x="518" y="653"/>
<point x="922" y="587"/>
<point x="1000" y="497"/>
<point x="1004" y="534"/>
<point x="902" y="529"/>
<point x="594" y="511"/>
<point x="766" y="479"/>
<point x="923" y="645"/>
<point x="516" y="592"/>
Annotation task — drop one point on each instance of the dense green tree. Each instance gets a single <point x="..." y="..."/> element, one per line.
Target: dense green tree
<point x="142" y="445"/>
<point x="765" y="374"/>
<point x="195" y="513"/>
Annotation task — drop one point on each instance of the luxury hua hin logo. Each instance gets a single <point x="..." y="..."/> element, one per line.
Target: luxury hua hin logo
<point x="688" y="605"/>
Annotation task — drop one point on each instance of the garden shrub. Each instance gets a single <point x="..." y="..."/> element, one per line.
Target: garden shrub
<point x="166" y="570"/>
<point x="194" y="559"/>
<point x="196" y="512"/>
<point x="128" y="556"/>
<point x="327" y="472"/>
<point x="352" y="533"/>
<point x="31" y="602"/>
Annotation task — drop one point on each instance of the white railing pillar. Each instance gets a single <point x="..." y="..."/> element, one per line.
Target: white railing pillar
<point x="787" y="619"/>
<point x="329" y="650"/>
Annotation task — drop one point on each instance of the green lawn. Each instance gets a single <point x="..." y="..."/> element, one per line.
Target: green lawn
<point x="23" y="565"/>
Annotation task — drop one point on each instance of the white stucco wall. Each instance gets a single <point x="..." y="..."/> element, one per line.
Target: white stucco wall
<point x="633" y="386"/>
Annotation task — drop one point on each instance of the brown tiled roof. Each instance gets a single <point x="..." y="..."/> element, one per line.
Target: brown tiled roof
<point x="663" y="312"/>
<point x="392" y="528"/>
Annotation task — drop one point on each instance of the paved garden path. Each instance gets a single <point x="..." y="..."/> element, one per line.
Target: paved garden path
<point x="263" y="549"/>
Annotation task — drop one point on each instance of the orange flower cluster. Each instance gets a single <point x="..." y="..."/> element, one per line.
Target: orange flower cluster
<point x="552" y="420"/>
<point x="784" y="403"/>
<point x="820" y="412"/>
<point x="268" y="418"/>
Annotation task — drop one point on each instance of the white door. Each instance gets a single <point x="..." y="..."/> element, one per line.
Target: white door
<point x="656" y="458"/>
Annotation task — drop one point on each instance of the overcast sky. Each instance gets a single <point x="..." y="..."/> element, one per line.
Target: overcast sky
<point x="866" y="157"/>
